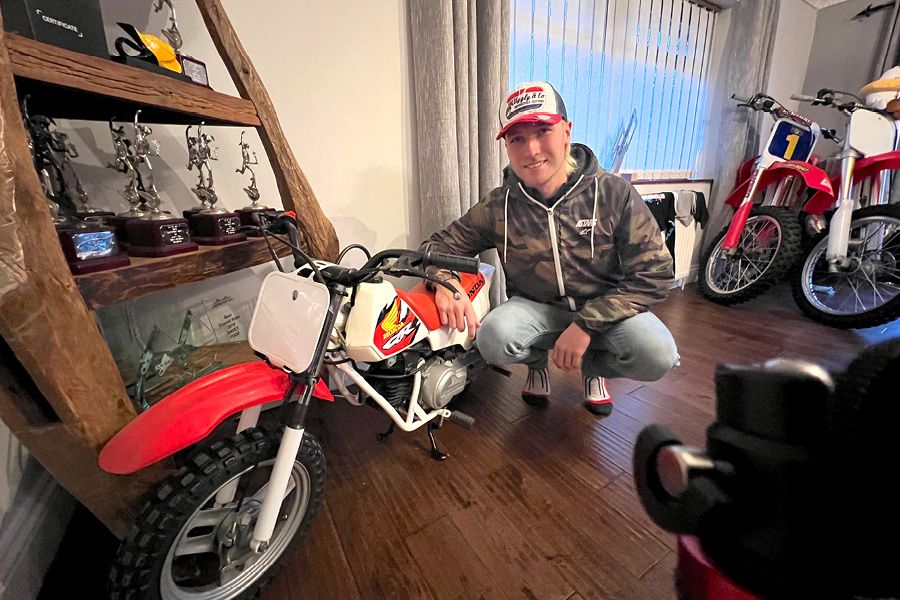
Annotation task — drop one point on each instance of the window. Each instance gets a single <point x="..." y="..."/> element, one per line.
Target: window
<point x="633" y="69"/>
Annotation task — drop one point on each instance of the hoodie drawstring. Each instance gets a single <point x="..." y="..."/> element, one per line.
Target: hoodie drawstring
<point x="594" y="214"/>
<point x="505" y="228"/>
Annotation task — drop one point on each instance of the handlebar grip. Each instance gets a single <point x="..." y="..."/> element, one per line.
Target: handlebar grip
<point x="803" y="98"/>
<point x="451" y="262"/>
<point x="741" y="100"/>
<point x="462" y="419"/>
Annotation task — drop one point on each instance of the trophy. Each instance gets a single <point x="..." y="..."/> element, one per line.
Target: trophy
<point x="211" y="225"/>
<point x="125" y="163"/>
<point x="87" y="246"/>
<point x="193" y="68"/>
<point x="155" y="233"/>
<point x="250" y="214"/>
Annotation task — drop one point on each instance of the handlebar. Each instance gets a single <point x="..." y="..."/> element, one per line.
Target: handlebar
<point x="450" y="261"/>
<point x="839" y="100"/>
<point x="408" y="262"/>
<point x="770" y="105"/>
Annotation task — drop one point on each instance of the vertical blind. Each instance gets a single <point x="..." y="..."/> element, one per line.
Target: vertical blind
<point x="617" y="63"/>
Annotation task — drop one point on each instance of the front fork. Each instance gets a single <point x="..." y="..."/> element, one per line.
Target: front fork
<point x="293" y="417"/>
<point x="839" y="230"/>
<point x="739" y="220"/>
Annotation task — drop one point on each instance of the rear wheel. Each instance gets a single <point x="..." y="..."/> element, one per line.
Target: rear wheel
<point x="770" y="244"/>
<point x="187" y="546"/>
<point x="865" y="293"/>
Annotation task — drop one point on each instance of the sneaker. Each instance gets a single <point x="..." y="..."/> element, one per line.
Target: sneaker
<point x="596" y="397"/>
<point x="537" y="388"/>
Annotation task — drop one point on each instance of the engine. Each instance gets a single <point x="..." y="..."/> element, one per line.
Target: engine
<point x="442" y="379"/>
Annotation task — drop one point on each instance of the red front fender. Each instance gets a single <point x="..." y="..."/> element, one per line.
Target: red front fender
<point x="813" y="177"/>
<point x="192" y="412"/>
<point x="863" y="169"/>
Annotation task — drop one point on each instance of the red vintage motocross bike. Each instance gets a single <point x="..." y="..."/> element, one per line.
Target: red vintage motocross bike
<point x="218" y="528"/>
<point x="763" y="240"/>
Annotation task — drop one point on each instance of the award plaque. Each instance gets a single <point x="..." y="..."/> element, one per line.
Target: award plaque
<point x="250" y="213"/>
<point x="91" y="247"/>
<point x="194" y="69"/>
<point x="210" y="225"/>
<point x="156" y="233"/>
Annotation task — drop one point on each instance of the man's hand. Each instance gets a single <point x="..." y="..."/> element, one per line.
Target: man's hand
<point x="893" y="107"/>
<point x="570" y="348"/>
<point x="456" y="313"/>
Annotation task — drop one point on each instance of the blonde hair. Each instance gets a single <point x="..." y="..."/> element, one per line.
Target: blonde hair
<point x="571" y="162"/>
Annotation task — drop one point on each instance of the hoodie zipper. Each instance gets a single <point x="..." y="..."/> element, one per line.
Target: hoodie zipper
<point x="554" y="241"/>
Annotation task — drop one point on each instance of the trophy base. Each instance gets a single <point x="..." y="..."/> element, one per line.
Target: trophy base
<point x="249" y="217"/>
<point x="157" y="238"/>
<point x="216" y="229"/>
<point x="120" y="223"/>
<point x="90" y="247"/>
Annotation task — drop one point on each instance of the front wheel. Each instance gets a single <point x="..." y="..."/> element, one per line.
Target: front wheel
<point x="864" y="293"/>
<point x="186" y="545"/>
<point x="770" y="243"/>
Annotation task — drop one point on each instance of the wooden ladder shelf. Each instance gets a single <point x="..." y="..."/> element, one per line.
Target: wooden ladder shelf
<point x="61" y="393"/>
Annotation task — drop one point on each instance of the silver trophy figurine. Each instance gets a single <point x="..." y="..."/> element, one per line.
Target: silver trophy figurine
<point x="171" y="32"/>
<point x="250" y="214"/>
<point x="251" y="190"/>
<point x="144" y="148"/>
<point x="199" y="155"/>
<point x="125" y="163"/>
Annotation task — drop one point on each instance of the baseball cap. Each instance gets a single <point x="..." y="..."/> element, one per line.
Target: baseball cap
<point x="532" y="102"/>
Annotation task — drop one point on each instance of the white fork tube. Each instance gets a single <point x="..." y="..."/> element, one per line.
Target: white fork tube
<point x="839" y="231"/>
<point x="277" y="485"/>
<point x="249" y="418"/>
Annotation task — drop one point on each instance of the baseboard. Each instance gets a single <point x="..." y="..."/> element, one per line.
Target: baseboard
<point x="31" y="532"/>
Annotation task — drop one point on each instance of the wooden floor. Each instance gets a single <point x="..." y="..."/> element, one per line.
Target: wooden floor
<point x="530" y="504"/>
<point x="533" y="504"/>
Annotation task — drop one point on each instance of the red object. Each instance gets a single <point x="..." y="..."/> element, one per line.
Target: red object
<point x="863" y="169"/>
<point x="814" y="178"/>
<point x="697" y="579"/>
<point x="745" y="171"/>
<point x="192" y="412"/>
<point x="421" y="301"/>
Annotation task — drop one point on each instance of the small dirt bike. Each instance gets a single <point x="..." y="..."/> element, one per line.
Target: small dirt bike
<point x="218" y="528"/>
<point x="851" y="277"/>
<point x="764" y="238"/>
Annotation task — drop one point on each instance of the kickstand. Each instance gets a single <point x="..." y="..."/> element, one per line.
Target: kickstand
<point x="384" y="436"/>
<point x="435" y="453"/>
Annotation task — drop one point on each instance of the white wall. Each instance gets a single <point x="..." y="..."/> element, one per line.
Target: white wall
<point x="790" y="53"/>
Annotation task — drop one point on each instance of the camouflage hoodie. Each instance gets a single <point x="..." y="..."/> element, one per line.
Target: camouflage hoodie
<point x="593" y="248"/>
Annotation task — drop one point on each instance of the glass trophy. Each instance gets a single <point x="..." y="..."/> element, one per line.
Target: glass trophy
<point x="250" y="214"/>
<point x="190" y="66"/>
<point x="210" y="224"/>
<point x="155" y="233"/>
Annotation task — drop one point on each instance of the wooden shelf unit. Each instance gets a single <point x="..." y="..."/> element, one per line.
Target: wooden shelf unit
<point x="61" y="393"/>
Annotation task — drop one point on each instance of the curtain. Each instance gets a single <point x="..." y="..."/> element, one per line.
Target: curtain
<point x="889" y="55"/>
<point x="460" y="53"/>
<point x="734" y="133"/>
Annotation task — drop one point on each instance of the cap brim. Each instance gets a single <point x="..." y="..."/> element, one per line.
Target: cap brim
<point x="549" y="118"/>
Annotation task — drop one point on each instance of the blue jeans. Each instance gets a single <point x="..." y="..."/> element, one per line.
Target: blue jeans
<point x="522" y="331"/>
